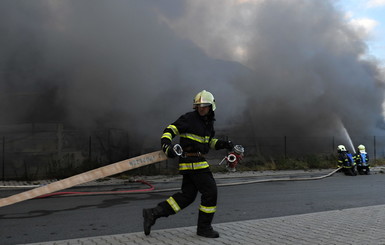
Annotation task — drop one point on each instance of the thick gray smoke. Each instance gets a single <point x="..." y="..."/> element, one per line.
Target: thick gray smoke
<point x="308" y="74"/>
<point x="276" y="67"/>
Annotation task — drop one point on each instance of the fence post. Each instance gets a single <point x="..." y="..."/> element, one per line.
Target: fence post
<point x="59" y="135"/>
<point x="374" y="144"/>
<point x="89" y="148"/>
<point x="3" y="158"/>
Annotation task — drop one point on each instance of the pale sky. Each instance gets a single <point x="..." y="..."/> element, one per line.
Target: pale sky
<point x="369" y="17"/>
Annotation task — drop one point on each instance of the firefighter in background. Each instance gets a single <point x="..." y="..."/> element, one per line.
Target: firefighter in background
<point x="362" y="160"/>
<point x="346" y="161"/>
<point x="196" y="131"/>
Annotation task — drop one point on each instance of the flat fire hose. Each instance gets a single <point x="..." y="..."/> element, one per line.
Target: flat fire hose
<point x="88" y="176"/>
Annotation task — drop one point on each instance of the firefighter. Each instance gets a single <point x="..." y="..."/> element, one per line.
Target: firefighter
<point x="196" y="134"/>
<point x="346" y="161"/>
<point x="362" y="160"/>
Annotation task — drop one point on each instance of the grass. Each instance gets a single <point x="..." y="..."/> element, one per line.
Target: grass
<point x="249" y="163"/>
<point x="307" y="162"/>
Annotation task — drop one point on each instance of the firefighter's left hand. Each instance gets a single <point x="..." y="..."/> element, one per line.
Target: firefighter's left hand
<point x="229" y="145"/>
<point x="225" y="145"/>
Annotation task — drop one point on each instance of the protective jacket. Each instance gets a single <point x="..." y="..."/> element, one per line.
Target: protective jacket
<point x="362" y="159"/>
<point x="196" y="136"/>
<point x="345" y="160"/>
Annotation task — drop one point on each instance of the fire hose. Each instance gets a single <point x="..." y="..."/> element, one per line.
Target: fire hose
<point x="153" y="190"/>
<point x="232" y="159"/>
<point x="261" y="181"/>
<point x="67" y="193"/>
<point x="151" y="187"/>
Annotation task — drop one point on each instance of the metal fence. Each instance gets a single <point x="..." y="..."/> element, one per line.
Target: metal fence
<point x="296" y="146"/>
<point x="30" y="151"/>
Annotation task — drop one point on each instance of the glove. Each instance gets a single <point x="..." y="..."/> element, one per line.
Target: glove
<point x="168" y="150"/>
<point x="229" y="145"/>
<point x="225" y="145"/>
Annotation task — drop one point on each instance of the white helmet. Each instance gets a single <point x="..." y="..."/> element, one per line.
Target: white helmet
<point x="203" y="99"/>
<point x="361" y="148"/>
<point x="341" y="148"/>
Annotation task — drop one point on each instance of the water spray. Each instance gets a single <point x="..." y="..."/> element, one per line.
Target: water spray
<point x="347" y="136"/>
<point x="349" y="139"/>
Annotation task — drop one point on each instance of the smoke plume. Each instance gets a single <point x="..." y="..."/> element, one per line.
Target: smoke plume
<point x="275" y="67"/>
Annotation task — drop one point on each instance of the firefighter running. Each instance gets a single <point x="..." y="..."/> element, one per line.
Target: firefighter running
<point x="196" y="131"/>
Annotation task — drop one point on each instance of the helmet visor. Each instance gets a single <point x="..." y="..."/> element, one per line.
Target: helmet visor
<point x="202" y="104"/>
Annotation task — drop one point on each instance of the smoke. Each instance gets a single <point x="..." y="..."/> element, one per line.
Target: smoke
<point x="307" y="64"/>
<point x="275" y="67"/>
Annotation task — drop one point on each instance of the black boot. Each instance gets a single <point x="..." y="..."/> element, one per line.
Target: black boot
<point x="150" y="215"/>
<point x="204" y="225"/>
<point x="209" y="233"/>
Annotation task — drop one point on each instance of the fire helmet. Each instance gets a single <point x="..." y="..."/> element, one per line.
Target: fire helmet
<point x="203" y="99"/>
<point x="361" y="148"/>
<point x="341" y="148"/>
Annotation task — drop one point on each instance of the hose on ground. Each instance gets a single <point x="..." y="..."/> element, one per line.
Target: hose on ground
<point x="261" y="181"/>
<point x="152" y="188"/>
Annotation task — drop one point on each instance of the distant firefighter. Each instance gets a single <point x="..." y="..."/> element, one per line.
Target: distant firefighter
<point x="362" y="160"/>
<point x="346" y="161"/>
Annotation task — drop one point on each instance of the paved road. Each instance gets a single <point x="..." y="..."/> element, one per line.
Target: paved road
<point x="347" y="226"/>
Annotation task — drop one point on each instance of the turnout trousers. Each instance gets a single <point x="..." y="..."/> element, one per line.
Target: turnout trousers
<point x="193" y="183"/>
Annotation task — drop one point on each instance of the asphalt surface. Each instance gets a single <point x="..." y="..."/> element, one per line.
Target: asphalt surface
<point x="364" y="225"/>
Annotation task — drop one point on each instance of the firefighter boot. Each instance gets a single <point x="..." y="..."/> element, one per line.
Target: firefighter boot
<point x="204" y="225"/>
<point x="150" y="215"/>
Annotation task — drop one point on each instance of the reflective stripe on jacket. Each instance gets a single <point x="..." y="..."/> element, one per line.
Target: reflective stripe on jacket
<point x="196" y="135"/>
<point x="345" y="160"/>
<point x="193" y="166"/>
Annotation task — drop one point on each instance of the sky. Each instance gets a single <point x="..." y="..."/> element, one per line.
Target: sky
<point x="369" y="15"/>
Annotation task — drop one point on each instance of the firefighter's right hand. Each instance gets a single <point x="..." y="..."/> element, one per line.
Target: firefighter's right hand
<point x="168" y="149"/>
